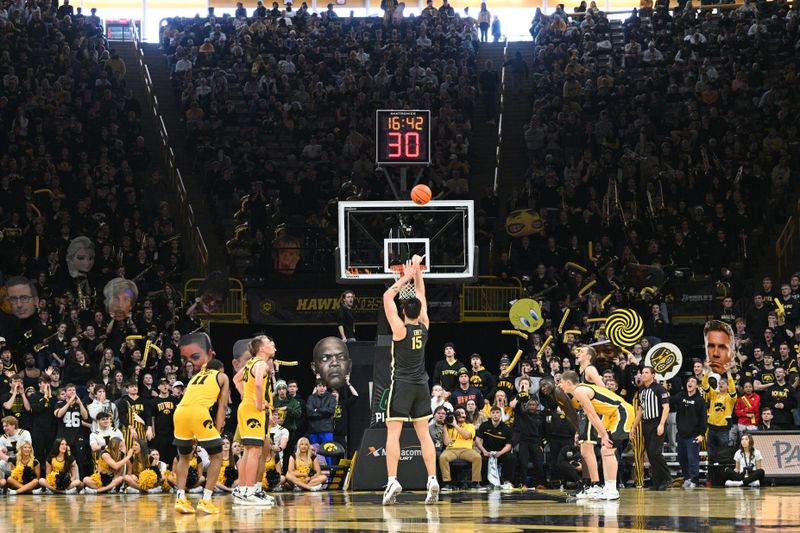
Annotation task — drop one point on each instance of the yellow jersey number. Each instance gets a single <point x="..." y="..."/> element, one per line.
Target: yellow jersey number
<point x="416" y="342"/>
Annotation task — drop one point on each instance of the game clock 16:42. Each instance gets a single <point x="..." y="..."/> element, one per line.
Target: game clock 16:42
<point x="402" y="137"/>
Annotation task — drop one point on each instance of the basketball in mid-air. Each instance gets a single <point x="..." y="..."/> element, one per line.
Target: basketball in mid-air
<point x="421" y="194"/>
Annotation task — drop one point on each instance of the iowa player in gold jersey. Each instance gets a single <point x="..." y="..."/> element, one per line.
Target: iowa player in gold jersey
<point x="409" y="396"/>
<point x="193" y="421"/>
<point x="251" y="382"/>
<point x="611" y="420"/>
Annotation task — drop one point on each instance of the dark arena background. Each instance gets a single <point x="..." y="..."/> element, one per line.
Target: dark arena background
<point x="601" y="200"/>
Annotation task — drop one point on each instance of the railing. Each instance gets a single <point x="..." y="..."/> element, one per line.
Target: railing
<point x="488" y="299"/>
<point x="233" y="309"/>
<point x="199" y="255"/>
<point x="784" y="245"/>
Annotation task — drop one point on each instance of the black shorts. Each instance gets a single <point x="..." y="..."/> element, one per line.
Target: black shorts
<point x="408" y="401"/>
<point x="587" y="432"/>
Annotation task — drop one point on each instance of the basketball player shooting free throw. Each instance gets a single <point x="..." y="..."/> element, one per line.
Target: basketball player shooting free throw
<point x="409" y="397"/>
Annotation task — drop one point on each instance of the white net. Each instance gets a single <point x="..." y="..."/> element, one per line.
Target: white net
<point x="407" y="291"/>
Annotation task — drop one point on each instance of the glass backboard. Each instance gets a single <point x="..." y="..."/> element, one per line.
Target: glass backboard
<point x="375" y="235"/>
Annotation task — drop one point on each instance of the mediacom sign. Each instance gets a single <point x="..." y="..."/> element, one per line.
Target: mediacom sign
<point x="369" y="469"/>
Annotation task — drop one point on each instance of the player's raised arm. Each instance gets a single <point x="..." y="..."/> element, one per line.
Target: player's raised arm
<point x="419" y="289"/>
<point x="389" y="307"/>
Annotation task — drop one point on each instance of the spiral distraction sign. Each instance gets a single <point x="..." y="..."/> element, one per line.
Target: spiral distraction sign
<point x="624" y="327"/>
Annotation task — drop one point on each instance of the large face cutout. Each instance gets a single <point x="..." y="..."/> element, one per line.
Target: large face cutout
<point x="213" y="292"/>
<point x="332" y="362"/>
<point x="719" y="350"/>
<point x="80" y="256"/>
<point x="21" y="300"/>
<point x="195" y="354"/>
<point x="120" y="296"/>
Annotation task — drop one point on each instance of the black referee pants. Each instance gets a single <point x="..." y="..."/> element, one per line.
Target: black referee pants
<point x="654" y="445"/>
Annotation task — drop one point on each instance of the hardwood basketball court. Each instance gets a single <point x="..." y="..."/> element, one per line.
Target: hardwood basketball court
<point x="460" y="512"/>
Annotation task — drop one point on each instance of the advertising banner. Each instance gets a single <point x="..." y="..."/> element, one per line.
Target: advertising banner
<point x="369" y="470"/>
<point x="381" y="377"/>
<point x="781" y="452"/>
<point x="319" y="306"/>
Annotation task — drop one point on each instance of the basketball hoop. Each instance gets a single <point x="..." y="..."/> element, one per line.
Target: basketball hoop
<point x="407" y="291"/>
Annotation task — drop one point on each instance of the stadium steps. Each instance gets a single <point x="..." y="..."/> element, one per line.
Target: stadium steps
<point x="150" y="131"/>
<point x="135" y="83"/>
<point x="175" y="126"/>
<point x="483" y="144"/>
<point x="513" y="155"/>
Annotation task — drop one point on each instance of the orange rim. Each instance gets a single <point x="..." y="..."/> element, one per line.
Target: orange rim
<point x="401" y="268"/>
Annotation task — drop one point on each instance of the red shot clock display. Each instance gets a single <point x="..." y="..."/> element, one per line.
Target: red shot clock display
<point x="402" y="137"/>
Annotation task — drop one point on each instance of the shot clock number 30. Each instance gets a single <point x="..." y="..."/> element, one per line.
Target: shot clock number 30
<point x="403" y="137"/>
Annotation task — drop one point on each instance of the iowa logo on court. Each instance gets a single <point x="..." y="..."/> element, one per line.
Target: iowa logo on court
<point x="253" y="423"/>
<point x="208" y="424"/>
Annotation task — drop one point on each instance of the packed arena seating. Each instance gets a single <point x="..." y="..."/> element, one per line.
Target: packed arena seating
<point x="690" y="113"/>
<point x="280" y="113"/>
<point x="74" y="162"/>
<point x="666" y="140"/>
<point x="716" y="128"/>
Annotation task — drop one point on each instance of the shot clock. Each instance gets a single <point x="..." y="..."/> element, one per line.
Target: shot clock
<point x="402" y="137"/>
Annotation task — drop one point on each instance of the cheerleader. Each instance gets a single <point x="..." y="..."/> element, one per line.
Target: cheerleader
<point x="25" y="475"/>
<point x="142" y="476"/>
<point x="273" y="478"/>
<point x="163" y="469"/>
<point x="62" y="471"/>
<point x="109" y="468"/>
<point x="228" y="473"/>
<point x="156" y="462"/>
<point x="195" y="481"/>
<point x="304" y="469"/>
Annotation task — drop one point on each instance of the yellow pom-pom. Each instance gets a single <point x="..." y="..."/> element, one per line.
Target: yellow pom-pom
<point x="147" y="479"/>
<point x="98" y="480"/>
<point x="51" y="478"/>
<point x="165" y="486"/>
<point x="17" y="472"/>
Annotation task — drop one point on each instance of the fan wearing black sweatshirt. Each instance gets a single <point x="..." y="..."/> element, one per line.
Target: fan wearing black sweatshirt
<point x="528" y="423"/>
<point x="691" y="419"/>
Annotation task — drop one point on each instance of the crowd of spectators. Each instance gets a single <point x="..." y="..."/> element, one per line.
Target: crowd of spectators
<point x="668" y="140"/>
<point x="279" y="108"/>
<point x="708" y="100"/>
<point x="758" y="389"/>
<point x="74" y="164"/>
<point x="79" y="207"/>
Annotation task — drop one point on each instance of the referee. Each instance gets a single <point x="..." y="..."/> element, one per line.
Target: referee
<point x="653" y="409"/>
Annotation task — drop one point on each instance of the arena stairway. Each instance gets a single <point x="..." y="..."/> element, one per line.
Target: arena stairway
<point x="175" y="126"/>
<point x="135" y="83"/>
<point x="483" y="144"/>
<point x="513" y="156"/>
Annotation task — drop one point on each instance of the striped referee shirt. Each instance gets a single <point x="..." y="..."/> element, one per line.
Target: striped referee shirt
<point x="652" y="400"/>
